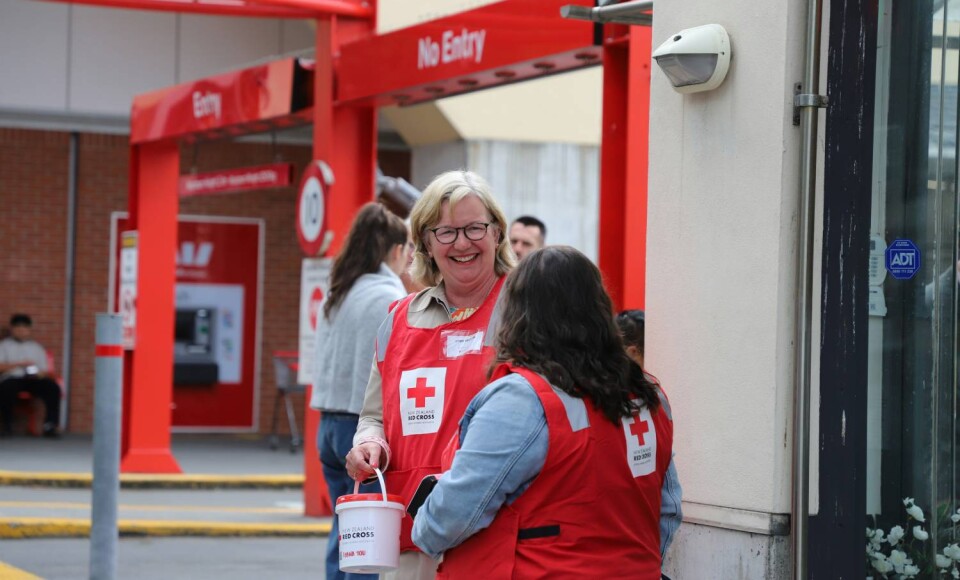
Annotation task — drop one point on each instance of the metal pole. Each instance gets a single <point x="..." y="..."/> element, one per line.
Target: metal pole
<point x="66" y="361"/>
<point x="809" y="104"/>
<point x="108" y="371"/>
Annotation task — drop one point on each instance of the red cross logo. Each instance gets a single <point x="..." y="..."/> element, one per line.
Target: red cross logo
<point x="639" y="428"/>
<point x="421" y="392"/>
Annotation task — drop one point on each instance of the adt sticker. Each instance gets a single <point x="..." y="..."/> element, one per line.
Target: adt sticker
<point x="903" y="259"/>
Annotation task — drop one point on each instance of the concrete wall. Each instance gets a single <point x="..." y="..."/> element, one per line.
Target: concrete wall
<point x="81" y="60"/>
<point x="721" y="273"/>
<point x="556" y="182"/>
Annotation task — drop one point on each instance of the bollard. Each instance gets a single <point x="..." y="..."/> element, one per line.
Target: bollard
<point x="108" y="383"/>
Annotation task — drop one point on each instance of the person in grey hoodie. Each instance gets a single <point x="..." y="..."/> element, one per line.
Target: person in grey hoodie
<point x="363" y="283"/>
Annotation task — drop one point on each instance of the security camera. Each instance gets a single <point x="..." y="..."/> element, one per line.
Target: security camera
<point x="695" y="59"/>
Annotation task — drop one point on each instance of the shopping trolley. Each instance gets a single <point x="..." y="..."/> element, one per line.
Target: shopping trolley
<point x="285" y="364"/>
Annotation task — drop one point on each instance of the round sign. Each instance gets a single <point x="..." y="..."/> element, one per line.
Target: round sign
<point x="311" y="205"/>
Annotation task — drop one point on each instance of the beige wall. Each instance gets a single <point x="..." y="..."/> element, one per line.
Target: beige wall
<point x="722" y="245"/>
<point x="564" y="108"/>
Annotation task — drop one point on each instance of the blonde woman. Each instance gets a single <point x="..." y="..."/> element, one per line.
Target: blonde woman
<point x="435" y="346"/>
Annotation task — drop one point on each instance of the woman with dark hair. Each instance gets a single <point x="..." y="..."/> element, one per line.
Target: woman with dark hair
<point x="631" y="324"/>
<point x="363" y="283"/>
<point x="563" y="457"/>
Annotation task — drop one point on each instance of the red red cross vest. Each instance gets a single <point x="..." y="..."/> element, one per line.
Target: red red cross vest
<point x="429" y="377"/>
<point x="592" y="512"/>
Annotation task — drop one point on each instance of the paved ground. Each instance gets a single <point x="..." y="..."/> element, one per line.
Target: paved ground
<point x="207" y="454"/>
<point x="172" y="558"/>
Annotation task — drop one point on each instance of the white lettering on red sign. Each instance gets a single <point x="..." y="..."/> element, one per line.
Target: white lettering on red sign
<point x="206" y="105"/>
<point x="453" y="46"/>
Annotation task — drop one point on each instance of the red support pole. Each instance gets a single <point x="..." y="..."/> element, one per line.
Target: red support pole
<point x="346" y="138"/>
<point x="153" y="206"/>
<point x="623" y="161"/>
<point x="638" y="156"/>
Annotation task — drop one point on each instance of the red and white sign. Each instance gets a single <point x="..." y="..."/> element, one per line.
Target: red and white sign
<point x="311" y="208"/>
<point x="245" y="97"/>
<point x="232" y="180"/>
<point x="314" y="284"/>
<point x="127" y="293"/>
<point x="641" y="438"/>
<point x="492" y="45"/>
<point x="422" y="392"/>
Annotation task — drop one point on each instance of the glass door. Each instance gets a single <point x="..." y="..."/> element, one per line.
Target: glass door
<point x="912" y="429"/>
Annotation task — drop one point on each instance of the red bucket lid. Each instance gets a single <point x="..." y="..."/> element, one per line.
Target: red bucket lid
<point x="369" y="497"/>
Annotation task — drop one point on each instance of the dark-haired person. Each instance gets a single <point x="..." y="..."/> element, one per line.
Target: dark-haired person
<point x="23" y="368"/>
<point x="562" y="459"/>
<point x="527" y="235"/>
<point x="631" y="324"/>
<point x="364" y="282"/>
<point x="435" y="346"/>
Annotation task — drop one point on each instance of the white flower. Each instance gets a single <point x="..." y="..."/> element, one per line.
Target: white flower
<point x="920" y="534"/>
<point x="915" y="512"/>
<point x="908" y="501"/>
<point x="952" y="551"/>
<point x="878" y="536"/>
<point x="955" y="518"/>
<point x="955" y="573"/>
<point x="898" y="559"/>
<point x="910" y="571"/>
<point x="895" y="535"/>
<point x="882" y="566"/>
<point x="943" y="561"/>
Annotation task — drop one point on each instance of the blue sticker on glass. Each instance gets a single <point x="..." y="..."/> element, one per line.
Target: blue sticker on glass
<point x="903" y="259"/>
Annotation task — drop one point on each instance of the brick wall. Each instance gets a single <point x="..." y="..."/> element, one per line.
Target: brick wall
<point x="33" y="217"/>
<point x="33" y="194"/>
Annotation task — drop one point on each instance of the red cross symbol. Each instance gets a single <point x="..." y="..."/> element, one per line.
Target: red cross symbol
<point x="421" y="392"/>
<point x="639" y="428"/>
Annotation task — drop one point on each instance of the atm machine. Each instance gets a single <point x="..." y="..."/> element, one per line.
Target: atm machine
<point x="194" y="360"/>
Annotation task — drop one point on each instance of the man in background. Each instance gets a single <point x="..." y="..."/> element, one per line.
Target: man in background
<point x="23" y="368"/>
<point x="527" y="235"/>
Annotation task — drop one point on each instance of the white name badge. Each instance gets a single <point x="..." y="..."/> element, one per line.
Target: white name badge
<point x="641" y="443"/>
<point x="422" y="394"/>
<point x="457" y="343"/>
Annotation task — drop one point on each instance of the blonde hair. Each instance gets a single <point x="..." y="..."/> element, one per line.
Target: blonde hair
<point x="454" y="186"/>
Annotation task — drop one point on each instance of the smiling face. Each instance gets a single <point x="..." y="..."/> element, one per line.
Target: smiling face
<point x="464" y="264"/>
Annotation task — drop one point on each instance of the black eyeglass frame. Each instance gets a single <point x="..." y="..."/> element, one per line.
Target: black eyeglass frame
<point x="456" y="232"/>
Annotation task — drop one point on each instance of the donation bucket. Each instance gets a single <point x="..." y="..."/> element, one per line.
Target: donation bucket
<point x="369" y="530"/>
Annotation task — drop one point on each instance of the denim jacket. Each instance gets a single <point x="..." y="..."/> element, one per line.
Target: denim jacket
<point x="503" y="446"/>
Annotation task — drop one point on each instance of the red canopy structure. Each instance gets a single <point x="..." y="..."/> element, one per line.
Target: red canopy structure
<point x="354" y="71"/>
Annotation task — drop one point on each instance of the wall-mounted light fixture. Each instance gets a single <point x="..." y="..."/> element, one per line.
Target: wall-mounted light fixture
<point x="695" y="59"/>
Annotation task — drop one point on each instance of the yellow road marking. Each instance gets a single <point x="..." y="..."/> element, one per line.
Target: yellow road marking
<point x="8" y="572"/>
<point x="159" y="479"/>
<point x="76" y="527"/>
<point x="157" y="508"/>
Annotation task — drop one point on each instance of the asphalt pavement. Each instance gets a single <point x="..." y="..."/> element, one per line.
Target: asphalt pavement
<point x="237" y="509"/>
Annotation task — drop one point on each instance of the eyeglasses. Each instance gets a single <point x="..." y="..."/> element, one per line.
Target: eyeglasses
<point x="473" y="232"/>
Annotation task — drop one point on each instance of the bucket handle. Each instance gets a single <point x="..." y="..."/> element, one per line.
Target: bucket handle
<point x="383" y="486"/>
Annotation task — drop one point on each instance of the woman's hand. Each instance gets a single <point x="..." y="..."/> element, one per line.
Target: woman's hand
<point x="362" y="459"/>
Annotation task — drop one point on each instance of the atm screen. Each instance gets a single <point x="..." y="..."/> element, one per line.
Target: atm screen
<point x="185" y="326"/>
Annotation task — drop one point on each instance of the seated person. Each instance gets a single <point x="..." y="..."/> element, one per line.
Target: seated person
<point x="23" y="368"/>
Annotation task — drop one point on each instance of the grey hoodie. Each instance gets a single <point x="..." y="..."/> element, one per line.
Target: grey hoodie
<point x="345" y="343"/>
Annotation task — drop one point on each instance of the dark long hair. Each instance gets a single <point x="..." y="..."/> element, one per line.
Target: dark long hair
<point x="557" y="320"/>
<point x="374" y="232"/>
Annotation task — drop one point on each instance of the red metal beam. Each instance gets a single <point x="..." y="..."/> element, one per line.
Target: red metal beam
<point x="493" y="45"/>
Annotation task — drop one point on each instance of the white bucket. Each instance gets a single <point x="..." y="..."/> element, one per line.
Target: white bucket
<point x="369" y="530"/>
